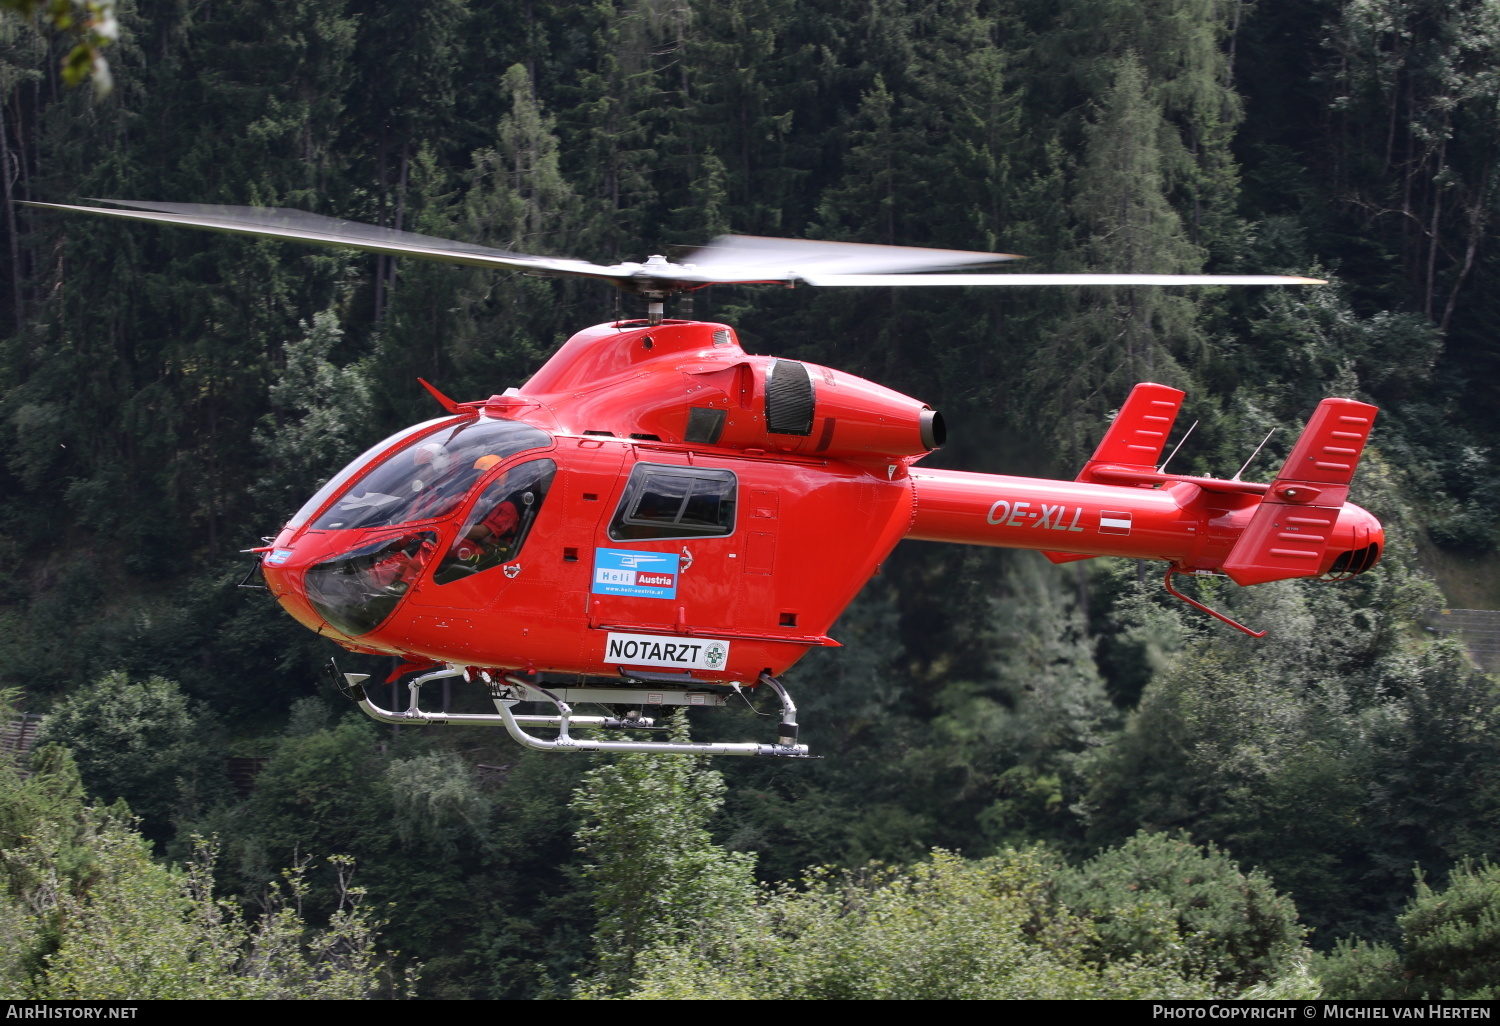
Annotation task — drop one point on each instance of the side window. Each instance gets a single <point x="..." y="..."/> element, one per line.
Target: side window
<point x="675" y="502"/>
<point x="496" y="527"/>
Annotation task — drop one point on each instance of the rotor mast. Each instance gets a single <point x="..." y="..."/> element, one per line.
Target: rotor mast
<point x="654" y="283"/>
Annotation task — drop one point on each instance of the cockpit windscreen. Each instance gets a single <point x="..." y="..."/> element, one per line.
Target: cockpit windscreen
<point x="430" y="477"/>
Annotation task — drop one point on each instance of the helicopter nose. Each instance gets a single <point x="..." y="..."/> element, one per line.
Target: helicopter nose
<point x="283" y="573"/>
<point x="1357" y="543"/>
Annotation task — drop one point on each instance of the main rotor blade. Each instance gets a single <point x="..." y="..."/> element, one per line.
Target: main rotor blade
<point x="730" y="259"/>
<point x="755" y="258"/>
<point x="300" y="226"/>
<point x="1058" y="279"/>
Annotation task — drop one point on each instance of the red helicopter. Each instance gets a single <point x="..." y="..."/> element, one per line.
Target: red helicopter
<point x="658" y="518"/>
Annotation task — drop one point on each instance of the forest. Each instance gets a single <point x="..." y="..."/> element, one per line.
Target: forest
<point x="1037" y="781"/>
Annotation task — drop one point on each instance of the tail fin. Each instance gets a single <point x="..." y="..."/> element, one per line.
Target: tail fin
<point x="1135" y="439"/>
<point x="1139" y="433"/>
<point x="1288" y="536"/>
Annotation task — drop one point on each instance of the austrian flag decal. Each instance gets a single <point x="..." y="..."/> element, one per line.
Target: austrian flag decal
<point x="1111" y="522"/>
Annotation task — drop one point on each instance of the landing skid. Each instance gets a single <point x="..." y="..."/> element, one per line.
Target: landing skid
<point x="508" y="690"/>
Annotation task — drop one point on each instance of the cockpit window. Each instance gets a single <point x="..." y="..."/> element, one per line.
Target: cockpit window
<point x="337" y="482"/>
<point x="496" y="527"/>
<point x="357" y="591"/>
<point x="675" y="502"/>
<point x="430" y="477"/>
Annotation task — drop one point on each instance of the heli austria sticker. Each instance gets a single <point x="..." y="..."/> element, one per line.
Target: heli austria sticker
<point x="636" y="573"/>
<point x="278" y="557"/>
<point x="656" y="650"/>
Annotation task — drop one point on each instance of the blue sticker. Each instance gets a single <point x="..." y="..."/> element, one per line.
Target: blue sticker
<point x="278" y="557"/>
<point x="632" y="572"/>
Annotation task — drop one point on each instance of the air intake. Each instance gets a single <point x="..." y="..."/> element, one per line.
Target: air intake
<point x="789" y="399"/>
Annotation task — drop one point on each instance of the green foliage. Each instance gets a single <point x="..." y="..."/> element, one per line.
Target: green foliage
<point x="1020" y="732"/>
<point x="1336" y="749"/>
<point x="151" y="932"/>
<point x="654" y="872"/>
<point x="474" y="869"/>
<point x="143" y="742"/>
<point x="1119" y="336"/>
<point x="1193" y="908"/>
<point x="944" y="929"/>
<point x="1448" y="946"/>
<point x="1368" y="970"/>
<point x="86" y="912"/>
<point x="435" y="797"/>
<point x="318" y="411"/>
<point x="1451" y="938"/>
<point x="89" y="24"/>
<point x="325" y="788"/>
<point x="46" y="814"/>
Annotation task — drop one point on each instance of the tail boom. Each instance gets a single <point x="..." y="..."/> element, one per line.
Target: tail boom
<point x="1125" y="504"/>
<point x="1066" y="516"/>
<point x="1186" y="524"/>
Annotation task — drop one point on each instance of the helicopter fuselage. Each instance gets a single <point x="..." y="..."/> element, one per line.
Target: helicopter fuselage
<point x="656" y="503"/>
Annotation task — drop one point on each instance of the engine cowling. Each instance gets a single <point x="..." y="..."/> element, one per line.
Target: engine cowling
<point x="690" y="382"/>
<point x="844" y="416"/>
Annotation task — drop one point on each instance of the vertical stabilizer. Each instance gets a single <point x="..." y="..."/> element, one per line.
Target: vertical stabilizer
<point x="1139" y="432"/>
<point x="1288" y="536"/>
<point x="1135" y="439"/>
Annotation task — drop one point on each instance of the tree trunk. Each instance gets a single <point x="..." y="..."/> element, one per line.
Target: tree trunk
<point x="1432" y="231"/>
<point x="400" y="205"/>
<point x="8" y="178"/>
<point x="380" y="267"/>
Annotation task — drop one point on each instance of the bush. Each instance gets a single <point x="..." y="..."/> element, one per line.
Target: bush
<point x="1358" y="969"/>
<point x="87" y="914"/>
<point x="1166" y="898"/>
<point x="144" y="742"/>
<point x="947" y="928"/>
<point x="1450" y="946"/>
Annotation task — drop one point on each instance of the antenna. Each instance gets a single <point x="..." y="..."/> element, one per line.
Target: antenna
<point x="1254" y="454"/>
<point x="1184" y="438"/>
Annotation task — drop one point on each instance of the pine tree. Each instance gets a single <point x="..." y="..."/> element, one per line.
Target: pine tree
<point x="317" y="419"/>
<point x="1019" y="734"/>
<point x="1120" y="335"/>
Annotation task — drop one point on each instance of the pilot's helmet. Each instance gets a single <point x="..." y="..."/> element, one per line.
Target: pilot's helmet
<point x="432" y="454"/>
<point x="485" y="462"/>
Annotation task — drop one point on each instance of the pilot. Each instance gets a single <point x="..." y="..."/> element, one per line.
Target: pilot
<point x="434" y="455"/>
<point x="398" y="564"/>
<point x="496" y="532"/>
<point x="432" y="483"/>
<point x="500" y="526"/>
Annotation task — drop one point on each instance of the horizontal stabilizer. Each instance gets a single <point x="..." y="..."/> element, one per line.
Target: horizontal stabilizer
<point x="1288" y="536"/>
<point x="1139" y="433"/>
<point x="1066" y="557"/>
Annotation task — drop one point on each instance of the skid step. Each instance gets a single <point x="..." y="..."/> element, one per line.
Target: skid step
<point x="511" y="690"/>
<point x="656" y="695"/>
